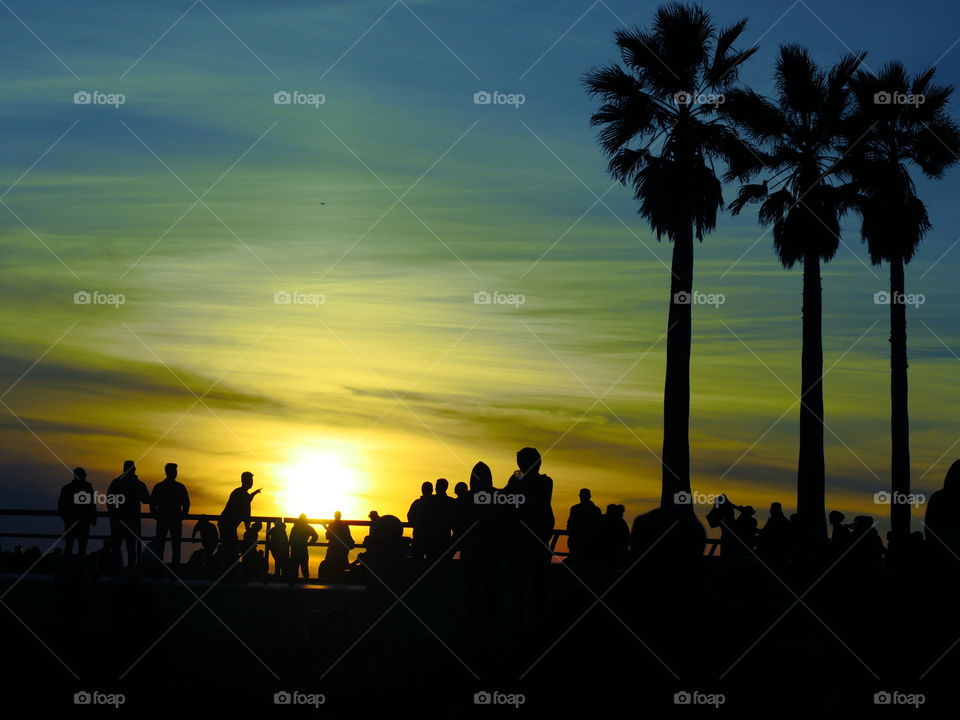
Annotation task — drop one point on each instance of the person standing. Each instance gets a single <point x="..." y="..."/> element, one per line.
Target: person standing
<point x="279" y="546"/>
<point x="169" y="504"/>
<point x="301" y="535"/>
<point x="236" y="511"/>
<point x="125" y="495"/>
<point x="78" y="511"/>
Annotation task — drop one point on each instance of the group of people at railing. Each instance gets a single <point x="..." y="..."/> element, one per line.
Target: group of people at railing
<point x="482" y="523"/>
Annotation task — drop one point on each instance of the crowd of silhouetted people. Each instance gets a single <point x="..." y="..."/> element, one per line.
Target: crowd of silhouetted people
<point x="504" y="537"/>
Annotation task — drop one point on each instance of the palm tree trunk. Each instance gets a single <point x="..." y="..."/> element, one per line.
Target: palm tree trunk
<point x="899" y="415"/>
<point x="676" y="390"/>
<point x="810" y="467"/>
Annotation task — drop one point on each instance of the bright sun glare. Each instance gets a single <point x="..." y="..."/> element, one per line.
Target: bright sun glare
<point x="318" y="483"/>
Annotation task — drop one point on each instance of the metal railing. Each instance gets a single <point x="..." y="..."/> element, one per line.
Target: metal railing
<point x="268" y="521"/>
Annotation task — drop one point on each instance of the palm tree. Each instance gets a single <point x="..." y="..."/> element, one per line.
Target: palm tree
<point x="898" y="121"/>
<point x="798" y="140"/>
<point x="664" y="98"/>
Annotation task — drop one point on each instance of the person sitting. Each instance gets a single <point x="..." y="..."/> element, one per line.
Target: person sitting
<point x="339" y="544"/>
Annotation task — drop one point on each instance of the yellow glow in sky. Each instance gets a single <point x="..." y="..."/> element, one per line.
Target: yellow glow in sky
<point x="319" y="481"/>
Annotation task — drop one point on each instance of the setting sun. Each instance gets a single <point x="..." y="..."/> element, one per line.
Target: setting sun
<point x="318" y="483"/>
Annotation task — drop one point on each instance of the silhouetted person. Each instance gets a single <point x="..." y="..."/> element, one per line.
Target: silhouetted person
<point x="669" y="540"/>
<point x="721" y="516"/>
<point x="250" y="537"/>
<point x="531" y="554"/>
<point x="78" y="511"/>
<point x="615" y="535"/>
<point x="301" y="535"/>
<point x="209" y="537"/>
<point x="840" y="537"/>
<point x="169" y="504"/>
<point x="384" y="546"/>
<point x="745" y="528"/>
<point x="129" y="493"/>
<point x="279" y="545"/>
<point x="340" y="542"/>
<point x="236" y="511"/>
<point x="252" y="560"/>
<point x="440" y="519"/>
<point x="583" y="528"/>
<point x="866" y="546"/>
<point x="418" y="516"/>
<point x="482" y="543"/>
<point x="773" y="541"/>
<point x="942" y="518"/>
<point x="461" y="511"/>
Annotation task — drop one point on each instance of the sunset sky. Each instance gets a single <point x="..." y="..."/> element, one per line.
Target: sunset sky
<point x="394" y="202"/>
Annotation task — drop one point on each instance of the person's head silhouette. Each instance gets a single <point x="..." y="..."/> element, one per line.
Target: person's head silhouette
<point x="373" y="515"/>
<point x="776" y="509"/>
<point x="303" y="517"/>
<point x="528" y="460"/>
<point x="336" y="515"/>
<point x="170" y="471"/>
<point x="427" y="488"/>
<point x="481" y="478"/>
<point x="585" y="495"/>
<point x="129" y="467"/>
<point x="460" y="489"/>
<point x="836" y="517"/>
<point x="951" y="483"/>
<point x="79" y="474"/>
<point x="442" y="484"/>
<point x="246" y="480"/>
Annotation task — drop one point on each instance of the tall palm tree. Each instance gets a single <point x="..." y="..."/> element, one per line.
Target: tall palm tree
<point x="898" y="121"/>
<point x="798" y="140"/>
<point x="661" y="131"/>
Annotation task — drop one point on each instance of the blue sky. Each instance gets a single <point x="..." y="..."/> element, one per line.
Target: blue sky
<point x="427" y="199"/>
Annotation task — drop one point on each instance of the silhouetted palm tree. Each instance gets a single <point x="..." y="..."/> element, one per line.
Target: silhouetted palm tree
<point x="799" y="140"/>
<point x="899" y="121"/>
<point x="662" y="100"/>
